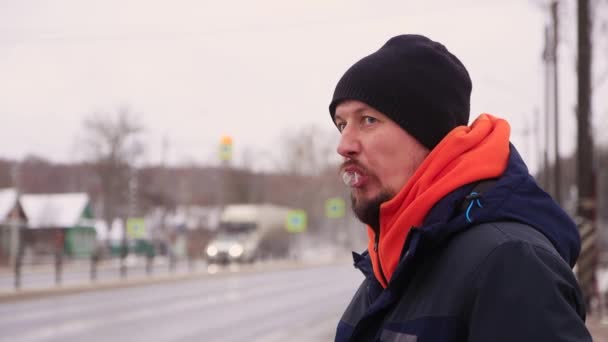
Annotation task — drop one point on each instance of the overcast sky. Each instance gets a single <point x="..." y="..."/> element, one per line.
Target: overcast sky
<point x="196" y="70"/>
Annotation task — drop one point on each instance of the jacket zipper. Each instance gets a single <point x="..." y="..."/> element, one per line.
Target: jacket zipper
<point x="376" y="248"/>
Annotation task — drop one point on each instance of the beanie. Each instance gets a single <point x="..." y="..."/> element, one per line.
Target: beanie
<point x="416" y="82"/>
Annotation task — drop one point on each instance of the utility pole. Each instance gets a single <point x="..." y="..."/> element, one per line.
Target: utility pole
<point x="130" y="213"/>
<point x="554" y="47"/>
<point x="17" y="227"/>
<point x="584" y="139"/>
<point x="163" y="235"/>
<point x="547" y="59"/>
<point x="538" y="158"/>
<point x="586" y="208"/>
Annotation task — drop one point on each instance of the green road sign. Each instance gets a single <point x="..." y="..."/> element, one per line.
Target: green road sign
<point x="136" y="228"/>
<point x="296" y="221"/>
<point x="334" y="207"/>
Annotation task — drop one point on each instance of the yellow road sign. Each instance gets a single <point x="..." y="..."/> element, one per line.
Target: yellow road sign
<point x="296" y="221"/>
<point x="136" y="228"/>
<point x="335" y="207"/>
<point x="225" y="150"/>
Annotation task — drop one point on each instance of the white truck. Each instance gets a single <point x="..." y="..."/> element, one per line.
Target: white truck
<point x="248" y="232"/>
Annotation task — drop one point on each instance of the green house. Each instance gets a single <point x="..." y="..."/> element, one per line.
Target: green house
<point x="60" y="221"/>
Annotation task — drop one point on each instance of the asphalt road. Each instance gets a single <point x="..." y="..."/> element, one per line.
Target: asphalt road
<point x="300" y="304"/>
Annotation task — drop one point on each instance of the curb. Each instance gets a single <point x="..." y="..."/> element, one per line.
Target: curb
<point x="31" y="294"/>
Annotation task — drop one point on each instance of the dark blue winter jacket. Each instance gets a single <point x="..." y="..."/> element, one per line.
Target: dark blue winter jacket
<point x="488" y="267"/>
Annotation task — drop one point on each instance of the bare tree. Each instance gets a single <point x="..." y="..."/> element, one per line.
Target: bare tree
<point x="308" y="151"/>
<point x="112" y="143"/>
<point x="309" y="163"/>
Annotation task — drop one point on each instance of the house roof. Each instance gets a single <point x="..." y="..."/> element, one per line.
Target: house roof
<point x="8" y="201"/>
<point x="54" y="210"/>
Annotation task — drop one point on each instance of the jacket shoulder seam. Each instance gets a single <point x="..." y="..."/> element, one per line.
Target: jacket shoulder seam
<point x="547" y="248"/>
<point x="512" y="242"/>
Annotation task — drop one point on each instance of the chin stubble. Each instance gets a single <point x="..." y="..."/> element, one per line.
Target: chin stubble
<point x="368" y="211"/>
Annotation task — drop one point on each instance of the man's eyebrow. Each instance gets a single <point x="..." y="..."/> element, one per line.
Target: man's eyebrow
<point x="358" y="110"/>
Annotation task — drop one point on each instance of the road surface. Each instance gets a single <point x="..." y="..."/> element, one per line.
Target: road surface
<point x="301" y="304"/>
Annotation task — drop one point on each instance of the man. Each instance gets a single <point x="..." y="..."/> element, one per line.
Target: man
<point x="463" y="244"/>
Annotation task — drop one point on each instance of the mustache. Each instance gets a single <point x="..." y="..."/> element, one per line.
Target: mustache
<point x="351" y="163"/>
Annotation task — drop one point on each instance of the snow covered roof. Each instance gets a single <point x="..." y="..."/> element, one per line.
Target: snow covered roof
<point x="54" y="210"/>
<point x="8" y="200"/>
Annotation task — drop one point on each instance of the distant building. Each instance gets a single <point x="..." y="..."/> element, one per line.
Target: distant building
<point x="184" y="231"/>
<point x="192" y="217"/>
<point x="12" y="220"/>
<point x="59" y="223"/>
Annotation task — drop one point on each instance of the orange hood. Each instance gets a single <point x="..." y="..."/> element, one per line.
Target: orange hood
<point x="467" y="154"/>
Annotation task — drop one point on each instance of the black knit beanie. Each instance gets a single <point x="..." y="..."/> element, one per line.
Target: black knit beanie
<point x="416" y="82"/>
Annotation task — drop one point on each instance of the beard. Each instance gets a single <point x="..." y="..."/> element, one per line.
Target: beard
<point x="368" y="211"/>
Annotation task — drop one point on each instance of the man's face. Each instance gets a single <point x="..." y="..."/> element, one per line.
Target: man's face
<point x="381" y="154"/>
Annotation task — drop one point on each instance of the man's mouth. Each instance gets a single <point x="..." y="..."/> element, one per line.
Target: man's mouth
<point x="350" y="178"/>
<point x="353" y="177"/>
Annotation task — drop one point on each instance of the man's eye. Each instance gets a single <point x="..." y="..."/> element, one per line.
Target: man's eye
<point x="370" y="119"/>
<point x="340" y="126"/>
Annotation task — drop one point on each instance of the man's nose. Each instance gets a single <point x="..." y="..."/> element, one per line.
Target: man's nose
<point x="349" y="144"/>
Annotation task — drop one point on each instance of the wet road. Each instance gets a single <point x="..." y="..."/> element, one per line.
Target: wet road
<point x="300" y="304"/>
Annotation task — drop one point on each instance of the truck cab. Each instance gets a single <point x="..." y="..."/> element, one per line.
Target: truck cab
<point x="248" y="232"/>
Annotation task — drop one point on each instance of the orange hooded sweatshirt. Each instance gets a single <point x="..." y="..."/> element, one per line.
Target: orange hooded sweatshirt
<point x="467" y="154"/>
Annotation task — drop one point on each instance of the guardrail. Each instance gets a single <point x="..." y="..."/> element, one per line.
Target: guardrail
<point x="57" y="271"/>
